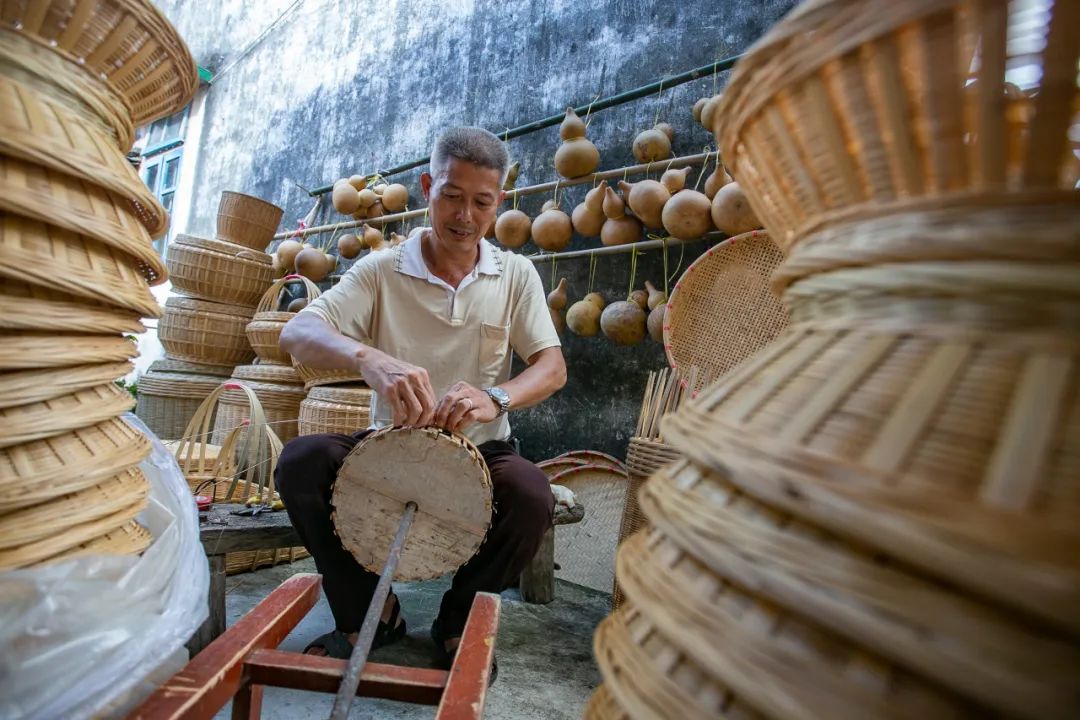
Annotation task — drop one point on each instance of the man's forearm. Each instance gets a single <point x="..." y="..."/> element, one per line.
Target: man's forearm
<point x="314" y="342"/>
<point x="545" y="375"/>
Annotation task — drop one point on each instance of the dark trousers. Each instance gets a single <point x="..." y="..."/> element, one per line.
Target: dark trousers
<point x="523" y="509"/>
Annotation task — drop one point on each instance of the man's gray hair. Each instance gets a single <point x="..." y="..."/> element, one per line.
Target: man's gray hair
<point x="472" y="144"/>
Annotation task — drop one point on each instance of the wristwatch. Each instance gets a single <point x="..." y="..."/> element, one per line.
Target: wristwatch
<point x="501" y="398"/>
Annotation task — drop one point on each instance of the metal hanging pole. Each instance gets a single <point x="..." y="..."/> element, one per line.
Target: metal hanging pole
<point x="351" y="680"/>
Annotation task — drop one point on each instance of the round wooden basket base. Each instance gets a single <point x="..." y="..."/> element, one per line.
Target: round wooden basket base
<point x="443" y="474"/>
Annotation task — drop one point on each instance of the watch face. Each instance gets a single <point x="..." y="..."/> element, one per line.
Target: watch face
<point x="500" y="395"/>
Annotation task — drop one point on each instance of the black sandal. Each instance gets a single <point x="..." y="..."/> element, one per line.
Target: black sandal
<point x="447" y="658"/>
<point x="336" y="643"/>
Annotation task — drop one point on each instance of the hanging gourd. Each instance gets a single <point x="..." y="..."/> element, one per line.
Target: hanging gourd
<point x="349" y="246"/>
<point x="646" y="199"/>
<point x="358" y="181"/>
<point x="686" y="215"/>
<point x="395" y="198"/>
<point x="512" y="228"/>
<point x="623" y="322"/>
<point x="512" y="176"/>
<point x="376" y="210"/>
<point x="653" y="144"/>
<point x="398" y="238"/>
<point x="576" y="155"/>
<point x="556" y="299"/>
<point x="277" y="269"/>
<point x="296" y="305"/>
<point x="552" y="228"/>
<point x="675" y="180"/>
<point x="657" y="304"/>
<point x="583" y="317"/>
<point x="641" y="297"/>
<point x="588" y="217"/>
<point x="311" y="263"/>
<point x="698" y="107"/>
<point x="345" y="197"/>
<point x="287" y="251"/>
<point x="619" y="228"/>
<point x="718" y="179"/>
<point x="731" y="211"/>
<point x="373" y="238"/>
<point x="708" y="112"/>
<point x="557" y="320"/>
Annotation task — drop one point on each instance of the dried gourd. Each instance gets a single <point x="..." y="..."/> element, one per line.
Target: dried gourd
<point x="512" y="228"/>
<point x="686" y="215"/>
<point x="646" y="199"/>
<point x="576" y="155"/>
<point x="653" y="144"/>
<point x="731" y="211"/>
<point x="552" y="229"/>
<point x="588" y="217"/>
<point x="623" y="322"/>
<point x="619" y="228"/>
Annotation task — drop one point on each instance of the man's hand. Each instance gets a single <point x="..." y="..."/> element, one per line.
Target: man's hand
<point x="464" y="405"/>
<point x="406" y="387"/>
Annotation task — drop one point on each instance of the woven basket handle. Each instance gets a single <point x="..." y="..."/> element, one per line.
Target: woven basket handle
<point x="270" y="298"/>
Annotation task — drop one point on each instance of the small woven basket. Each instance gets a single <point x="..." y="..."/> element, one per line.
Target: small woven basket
<point x="168" y="400"/>
<point x="247" y="220"/>
<point x="340" y="409"/>
<point x="218" y="270"/>
<point x="205" y="332"/>
<point x="264" y="330"/>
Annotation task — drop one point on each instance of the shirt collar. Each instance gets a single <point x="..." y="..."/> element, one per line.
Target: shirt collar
<point x="409" y="259"/>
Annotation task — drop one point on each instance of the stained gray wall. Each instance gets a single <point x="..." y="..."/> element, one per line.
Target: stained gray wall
<point x="337" y="88"/>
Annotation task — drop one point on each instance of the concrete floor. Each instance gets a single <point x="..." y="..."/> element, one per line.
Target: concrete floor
<point x="546" y="668"/>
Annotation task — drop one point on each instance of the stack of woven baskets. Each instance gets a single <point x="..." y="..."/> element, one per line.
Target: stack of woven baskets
<point x="876" y="516"/>
<point x="76" y="224"/>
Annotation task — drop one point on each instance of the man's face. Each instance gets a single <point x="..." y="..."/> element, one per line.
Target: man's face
<point x="462" y="201"/>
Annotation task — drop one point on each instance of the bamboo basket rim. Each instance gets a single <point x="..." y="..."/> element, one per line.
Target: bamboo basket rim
<point x="20" y="387"/>
<point x="172" y="364"/>
<point x="131" y="538"/>
<point x="266" y="372"/>
<point x="26" y="350"/>
<point x="26" y="306"/>
<point x="272" y="297"/>
<point x="210" y="307"/>
<point x="337" y="394"/>
<point x="219" y="246"/>
<point x="57" y="415"/>
<point x="177" y="385"/>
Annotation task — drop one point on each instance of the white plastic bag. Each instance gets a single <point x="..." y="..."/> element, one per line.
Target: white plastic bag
<point x="92" y="636"/>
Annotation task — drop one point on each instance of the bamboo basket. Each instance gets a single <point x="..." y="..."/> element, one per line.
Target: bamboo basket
<point x="131" y="538"/>
<point x="171" y="364"/>
<point x="317" y="377"/>
<point x="247" y="220"/>
<point x="205" y="332"/>
<point x="848" y="107"/>
<point x="723" y="309"/>
<point x="585" y="551"/>
<point x="803" y="614"/>
<point x="264" y="330"/>
<point x="340" y="409"/>
<point x="280" y="403"/>
<point x="242" y="561"/>
<point x="27" y="350"/>
<point x="37" y="420"/>
<point x="37" y="130"/>
<point x="20" y="387"/>
<point x="268" y="373"/>
<point x="30" y="307"/>
<point x="37" y="471"/>
<point x="218" y="270"/>
<point x="168" y="400"/>
<point x="126" y="45"/>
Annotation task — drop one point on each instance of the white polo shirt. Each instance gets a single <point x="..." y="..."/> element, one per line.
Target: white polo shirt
<point x="391" y="301"/>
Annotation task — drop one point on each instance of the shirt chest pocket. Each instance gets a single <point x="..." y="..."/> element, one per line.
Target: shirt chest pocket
<point x="494" y="344"/>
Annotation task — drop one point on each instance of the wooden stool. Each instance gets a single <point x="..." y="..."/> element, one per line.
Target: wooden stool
<point x="537" y="583"/>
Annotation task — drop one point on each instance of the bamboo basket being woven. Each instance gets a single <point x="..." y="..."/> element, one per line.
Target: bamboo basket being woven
<point x="205" y="332"/>
<point x="264" y="330"/>
<point x="218" y="270"/>
<point x="247" y="220"/>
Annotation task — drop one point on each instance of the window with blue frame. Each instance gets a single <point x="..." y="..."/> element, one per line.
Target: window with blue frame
<point x="161" y="161"/>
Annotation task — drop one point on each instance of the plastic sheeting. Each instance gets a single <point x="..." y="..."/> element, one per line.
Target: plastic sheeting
<point x="91" y="637"/>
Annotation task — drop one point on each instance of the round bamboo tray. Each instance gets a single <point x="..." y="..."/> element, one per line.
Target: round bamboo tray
<point x="25" y="350"/>
<point x="36" y="471"/>
<point x="205" y="332"/>
<point x="453" y="496"/>
<point x="723" y="308"/>
<point x="280" y="374"/>
<point x="168" y="400"/>
<point x="218" y="270"/>
<point x="131" y="538"/>
<point x="264" y="330"/>
<point x="171" y="364"/>
<point x="340" y="409"/>
<point x="37" y="420"/>
<point x="127" y="45"/>
<point x="31" y="307"/>
<point x="247" y="220"/>
<point x="585" y="551"/>
<point x="554" y="466"/>
<point x="280" y="403"/>
<point x="38" y="522"/>
<point x="800" y="611"/>
<point x="20" y="387"/>
<point x="37" y="130"/>
<point x="53" y="261"/>
<point x="595" y="457"/>
<point x="846" y="106"/>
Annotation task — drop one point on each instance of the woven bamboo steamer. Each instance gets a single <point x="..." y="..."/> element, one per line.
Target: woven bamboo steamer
<point x="718" y="558"/>
<point x="36" y="471"/>
<point x="38" y="522"/>
<point x="167" y="401"/>
<point x="86" y="211"/>
<point x="31" y="307"/>
<point x="55" y="547"/>
<point x="585" y="551"/>
<point x="20" y="387"/>
<point x="247" y="220"/>
<point x="127" y="45"/>
<point x="205" y="332"/>
<point x="26" y="350"/>
<point x="218" y="270"/>
<point x="37" y="420"/>
<point x="171" y="364"/>
<point x="723" y="308"/>
<point x="842" y="105"/>
<point x="451" y="487"/>
<point x="264" y="330"/>
<point x="280" y="403"/>
<point x="131" y="538"/>
<point x="243" y="561"/>
<point x="338" y="409"/>
<point x="38" y="130"/>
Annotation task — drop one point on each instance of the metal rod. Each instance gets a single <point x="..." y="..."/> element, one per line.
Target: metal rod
<point x="678" y="162"/>
<point x="618" y="249"/>
<point x="351" y="680"/>
<point x="612" y="101"/>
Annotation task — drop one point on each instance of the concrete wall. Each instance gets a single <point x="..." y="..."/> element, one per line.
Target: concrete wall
<point x="335" y="88"/>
